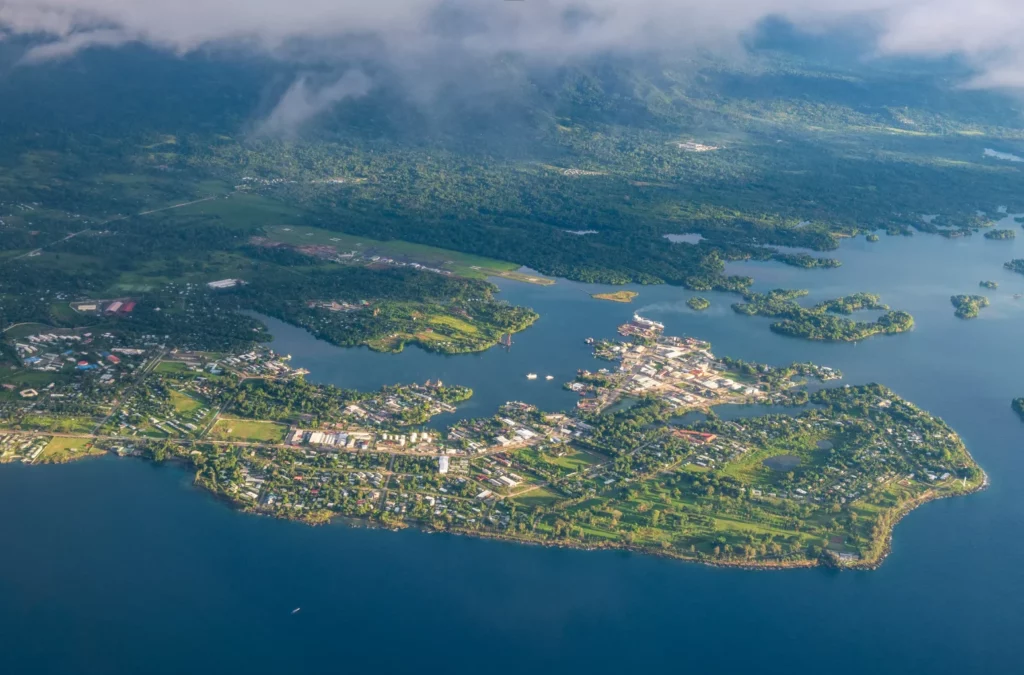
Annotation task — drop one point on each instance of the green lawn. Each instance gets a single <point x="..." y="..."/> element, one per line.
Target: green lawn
<point x="229" y="429"/>
<point x="462" y="264"/>
<point x="541" y="496"/>
<point x="172" y="368"/>
<point x="66" y="449"/>
<point x="183" y="403"/>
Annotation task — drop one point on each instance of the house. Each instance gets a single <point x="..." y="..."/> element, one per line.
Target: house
<point x="442" y="464"/>
<point x="224" y="283"/>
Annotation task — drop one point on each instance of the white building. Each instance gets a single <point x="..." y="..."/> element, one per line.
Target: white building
<point x="442" y="464"/>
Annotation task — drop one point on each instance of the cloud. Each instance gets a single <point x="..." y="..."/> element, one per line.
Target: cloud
<point x="304" y="100"/>
<point x="985" y="32"/>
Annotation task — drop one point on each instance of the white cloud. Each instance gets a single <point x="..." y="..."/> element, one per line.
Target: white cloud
<point x="986" y="32"/>
<point x="303" y="101"/>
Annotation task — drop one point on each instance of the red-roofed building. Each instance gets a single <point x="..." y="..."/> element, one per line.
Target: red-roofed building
<point x="127" y="307"/>
<point x="113" y="359"/>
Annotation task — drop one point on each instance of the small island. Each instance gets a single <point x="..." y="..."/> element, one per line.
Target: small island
<point x="1000" y="234"/>
<point x="988" y="284"/>
<point x="1015" y="265"/>
<point x="968" y="306"/>
<point x="806" y="261"/>
<point x="698" y="304"/>
<point x="617" y="296"/>
<point x="1018" y="407"/>
<point x="821" y="321"/>
<point x="872" y="237"/>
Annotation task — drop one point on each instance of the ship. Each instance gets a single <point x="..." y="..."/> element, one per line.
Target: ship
<point x="589" y="341"/>
<point x="531" y="376"/>
<point x="550" y="377"/>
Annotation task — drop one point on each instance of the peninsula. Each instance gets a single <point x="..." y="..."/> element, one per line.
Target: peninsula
<point x="623" y="469"/>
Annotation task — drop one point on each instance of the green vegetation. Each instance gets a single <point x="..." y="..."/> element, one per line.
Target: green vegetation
<point x="617" y="296"/>
<point x="1000" y="234"/>
<point x="1015" y="265"/>
<point x="968" y="306"/>
<point x="698" y="304"/>
<point x="821" y="322"/>
<point x="232" y="429"/>
<point x="872" y="237"/>
<point x="1018" y="407"/>
<point x="804" y="154"/>
<point x="988" y="284"/>
<point x="824" y="487"/>
<point x="61" y="449"/>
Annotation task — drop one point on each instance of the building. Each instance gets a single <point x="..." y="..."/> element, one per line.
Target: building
<point x="224" y="283"/>
<point x="442" y="464"/>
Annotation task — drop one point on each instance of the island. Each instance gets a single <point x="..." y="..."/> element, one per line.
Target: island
<point x="968" y="306"/>
<point x="806" y="261"/>
<point x="1000" y="234"/>
<point x="641" y="463"/>
<point x="988" y="284"/>
<point x="1015" y="265"/>
<point x="872" y="237"/>
<point x="698" y="304"/>
<point x="617" y="296"/>
<point x="822" y="322"/>
<point x="1018" y="407"/>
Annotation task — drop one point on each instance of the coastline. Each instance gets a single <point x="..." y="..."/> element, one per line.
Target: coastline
<point x="320" y="518"/>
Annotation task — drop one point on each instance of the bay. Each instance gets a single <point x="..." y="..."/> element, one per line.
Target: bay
<point x="120" y="566"/>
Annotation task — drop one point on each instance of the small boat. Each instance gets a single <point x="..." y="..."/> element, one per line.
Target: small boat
<point x="589" y="341"/>
<point x="296" y="610"/>
<point x="531" y="376"/>
<point x="550" y="377"/>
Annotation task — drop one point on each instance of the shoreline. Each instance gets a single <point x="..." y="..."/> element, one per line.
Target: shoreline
<point x="326" y="518"/>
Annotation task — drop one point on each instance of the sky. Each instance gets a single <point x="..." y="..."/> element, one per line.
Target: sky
<point x="984" y="32"/>
<point x="430" y="35"/>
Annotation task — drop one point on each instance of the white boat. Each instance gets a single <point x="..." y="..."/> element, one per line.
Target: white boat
<point x="550" y="377"/>
<point x="531" y="376"/>
<point x="296" y="610"/>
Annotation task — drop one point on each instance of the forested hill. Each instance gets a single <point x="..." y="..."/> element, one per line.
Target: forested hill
<point x="508" y="160"/>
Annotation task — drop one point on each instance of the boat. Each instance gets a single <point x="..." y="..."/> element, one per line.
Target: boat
<point x="550" y="377"/>
<point x="589" y="341"/>
<point x="296" y="610"/>
<point x="531" y="376"/>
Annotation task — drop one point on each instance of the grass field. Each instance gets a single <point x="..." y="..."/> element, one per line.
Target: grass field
<point x="184" y="404"/>
<point x="240" y="209"/>
<point x="20" y="330"/>
<point x="171" y="368"/>
<point x="61" y="449"/>
<point x="66" y="425"/>
<point x="541" y="496"/>
<point x="229" y="429"/>
<point x="463" y="264"/>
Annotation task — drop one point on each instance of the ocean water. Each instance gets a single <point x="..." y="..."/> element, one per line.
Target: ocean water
<point x="119" y="566"/>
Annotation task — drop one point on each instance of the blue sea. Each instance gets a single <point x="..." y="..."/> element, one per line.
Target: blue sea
<point x="118" y="566"/>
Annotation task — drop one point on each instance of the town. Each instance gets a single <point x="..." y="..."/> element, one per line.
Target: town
<point x="643" y="461"/>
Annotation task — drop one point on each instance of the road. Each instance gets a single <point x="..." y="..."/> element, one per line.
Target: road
<point x="37" y="251"/>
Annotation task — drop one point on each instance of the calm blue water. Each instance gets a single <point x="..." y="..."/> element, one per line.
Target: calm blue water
<point x="118" y="566"/>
